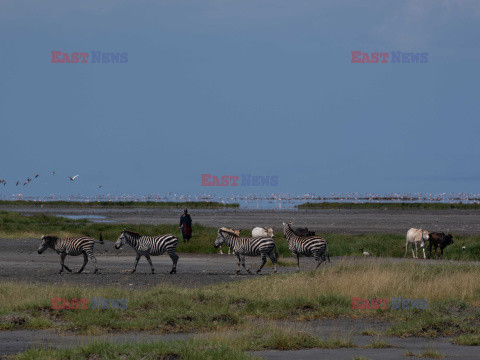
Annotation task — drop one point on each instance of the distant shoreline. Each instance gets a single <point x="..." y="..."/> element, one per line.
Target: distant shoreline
<point x="388" y="205"/>
<point x="147" y="204"/>
<point x="219" y="205"/>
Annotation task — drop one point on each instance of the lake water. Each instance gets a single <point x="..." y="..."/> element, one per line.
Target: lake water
<point x="94" y="218"/>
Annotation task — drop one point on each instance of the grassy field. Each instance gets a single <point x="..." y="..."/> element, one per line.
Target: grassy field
<point x="232" y="311"/>
<point x="232" y="318"/>
<point x="185" y="350"/>
<point x="385" y="205"/>
<point x="14" y="225"/>
<point x="80" y="204"/>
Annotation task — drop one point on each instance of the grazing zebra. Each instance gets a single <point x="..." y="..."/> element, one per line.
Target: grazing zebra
<point x="149" y="245"/>
<point x="261" y="245"/>
<point x="71" y="246"/>
<point x="308" y="246"/>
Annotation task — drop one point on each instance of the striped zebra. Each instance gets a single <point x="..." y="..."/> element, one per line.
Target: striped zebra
<point x="71" y="246"/>
<point x="149" y="245"/>
<point x="229" y="248"/>
<point x="308" y="246"/>
<point x="261" y="245"/>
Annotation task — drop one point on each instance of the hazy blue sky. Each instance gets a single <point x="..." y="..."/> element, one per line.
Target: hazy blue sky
<point x="240" y="87"/>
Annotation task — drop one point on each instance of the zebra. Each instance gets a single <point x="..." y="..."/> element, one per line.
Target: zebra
<point x="261" y="245"/>
<point x="308" y="246"/>
<point x="229" y="248"/>
<point x="71" y="246"/>
<point x="149" y="245"/>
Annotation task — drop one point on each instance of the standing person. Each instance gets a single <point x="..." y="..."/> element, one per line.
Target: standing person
<point x="186" y="225"/>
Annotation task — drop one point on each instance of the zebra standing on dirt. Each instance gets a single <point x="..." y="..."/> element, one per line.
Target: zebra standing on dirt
<point x="149" y="245"/>
<point x="308" y="246"/>
<point x="71" y="246"/>
<point x="261" y="245"/>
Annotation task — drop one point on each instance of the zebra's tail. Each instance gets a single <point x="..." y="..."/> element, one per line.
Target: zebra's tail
<point x="328" y="254"/>
<point x="101" y="239"/>
<point x="276" y="253"/>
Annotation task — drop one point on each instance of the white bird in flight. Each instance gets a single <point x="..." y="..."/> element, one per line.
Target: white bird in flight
<point x="72" y="178"/>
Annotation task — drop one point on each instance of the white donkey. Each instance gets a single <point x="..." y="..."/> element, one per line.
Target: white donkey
<point x="229" y="248"/>
<point x="416" y="237"/>
<point x="262" y="231"/>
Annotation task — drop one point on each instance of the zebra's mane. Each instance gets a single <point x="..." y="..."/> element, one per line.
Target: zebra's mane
<point x="228" y="231"/>
<point x="132" y="233"/>
<point x="289" y="226"/>
<point x="50" y="238"/>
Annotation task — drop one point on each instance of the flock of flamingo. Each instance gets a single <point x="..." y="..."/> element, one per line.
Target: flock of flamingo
<point x="251" y="201"/>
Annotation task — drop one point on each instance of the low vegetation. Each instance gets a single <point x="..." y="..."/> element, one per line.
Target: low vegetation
<point x="225" y="345"/>
<point x="452" y="304"/>
<point x="14" y="225"/>
<point x="468" y="340"/>
<point x="431" y="353"/>
<point x="272" y="337"/>
<point x="173" y="350"/>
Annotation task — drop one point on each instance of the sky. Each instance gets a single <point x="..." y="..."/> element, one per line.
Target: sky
<point x="260" y="88"/>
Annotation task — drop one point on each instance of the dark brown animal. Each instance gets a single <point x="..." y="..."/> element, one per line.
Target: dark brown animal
<point x="303" y="232"/>
<point x="439" y="240"/>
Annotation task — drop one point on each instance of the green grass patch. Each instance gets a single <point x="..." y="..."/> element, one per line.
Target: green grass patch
<point x="467" y="340"/>
<point x="431" y="323"/>
<point x="430" y="353"/>
<point x="221" y="345"/>
<point x="173" y="350"/>
<point x="268" y="337"/>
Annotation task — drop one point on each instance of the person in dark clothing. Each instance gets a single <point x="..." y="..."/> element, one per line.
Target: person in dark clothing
<point x="186" y="225"/>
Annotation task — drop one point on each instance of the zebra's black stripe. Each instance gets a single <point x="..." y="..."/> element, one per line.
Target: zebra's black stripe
<point x="150" y="245"/>
<point x="258" y="246"/>
<point x="315" y="246"/>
